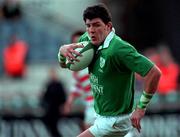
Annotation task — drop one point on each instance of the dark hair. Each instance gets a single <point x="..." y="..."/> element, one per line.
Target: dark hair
<point x="97" y="11"/>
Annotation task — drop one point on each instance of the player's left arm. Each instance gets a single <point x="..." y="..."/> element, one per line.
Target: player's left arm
<point x="151" y="81"/>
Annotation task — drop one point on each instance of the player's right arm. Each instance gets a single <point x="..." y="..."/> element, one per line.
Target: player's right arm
<point x="67" y="52"/>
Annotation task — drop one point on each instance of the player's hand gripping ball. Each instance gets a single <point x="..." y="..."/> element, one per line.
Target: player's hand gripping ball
<point x="87" y="53"/>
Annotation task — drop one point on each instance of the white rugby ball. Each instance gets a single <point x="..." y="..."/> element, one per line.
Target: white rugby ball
<point x="87" y="53"/>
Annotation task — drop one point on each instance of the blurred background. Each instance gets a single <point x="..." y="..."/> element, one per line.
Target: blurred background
<point x="31" y="32"/>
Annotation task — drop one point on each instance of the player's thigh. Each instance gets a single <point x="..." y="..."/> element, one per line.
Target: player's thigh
<point x="117" y="126"/>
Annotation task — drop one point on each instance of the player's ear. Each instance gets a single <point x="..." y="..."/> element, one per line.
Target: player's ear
<point x="109" y="25"/>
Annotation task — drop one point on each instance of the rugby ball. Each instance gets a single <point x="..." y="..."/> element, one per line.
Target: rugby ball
<point x="87" y="53"/>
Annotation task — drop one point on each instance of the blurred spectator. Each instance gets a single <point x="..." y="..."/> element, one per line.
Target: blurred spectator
<point x="11" y="9"/>
<point x="178" y="88"/>
<point x="146" y="27"/>
<point x="163" y="58"/>
<point x="14" y="57"/>
<point x="81" y="88"/>
<point x="170" y="71"/>
<point x="76" y="35"/>
<point x="53" y="102"/>
<point x="153" y="55"/>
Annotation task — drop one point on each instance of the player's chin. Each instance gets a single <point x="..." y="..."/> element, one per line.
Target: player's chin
<point x="94" y="42"/>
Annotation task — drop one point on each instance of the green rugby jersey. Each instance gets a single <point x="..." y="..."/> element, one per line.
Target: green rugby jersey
<point x="112" y="75"/>
<point x="84" y="37"/>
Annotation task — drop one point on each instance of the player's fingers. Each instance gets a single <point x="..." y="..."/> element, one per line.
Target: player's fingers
<point x="76" y="60"/>
<point x="135" y="124"/>
<point x="138" y="127"/>
<point x="79" y="45"/>
<point x="138" y="130"/>
<point x="75" y="52"/>
<point x="71" y="61"/>
<point x="71" y="58"/>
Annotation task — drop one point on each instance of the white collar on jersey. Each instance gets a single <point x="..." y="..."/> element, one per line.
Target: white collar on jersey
<point x="107" y="40"/>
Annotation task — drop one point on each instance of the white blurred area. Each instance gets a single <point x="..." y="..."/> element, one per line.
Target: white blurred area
<point x="44" y="25"/>
<point x="67" y="12"/>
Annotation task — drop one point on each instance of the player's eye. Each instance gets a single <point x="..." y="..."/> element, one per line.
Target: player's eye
<point x="97" y="25"/>
<point x="88" y="25"/>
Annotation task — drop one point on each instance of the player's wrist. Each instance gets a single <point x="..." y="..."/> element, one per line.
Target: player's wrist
<point x="144" y="100"/>
<point x="138" y="108"/>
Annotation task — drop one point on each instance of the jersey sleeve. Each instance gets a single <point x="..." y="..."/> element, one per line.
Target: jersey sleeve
<point x="133" y="60"/>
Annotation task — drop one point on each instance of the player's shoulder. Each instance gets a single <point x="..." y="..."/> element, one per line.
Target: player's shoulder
<point x="121" y="47"/>
<point x="121" y="44"/>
